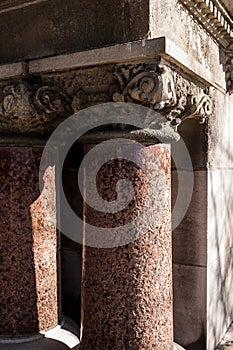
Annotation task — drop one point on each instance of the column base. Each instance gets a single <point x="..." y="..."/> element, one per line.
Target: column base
<point x="62" y="337"/>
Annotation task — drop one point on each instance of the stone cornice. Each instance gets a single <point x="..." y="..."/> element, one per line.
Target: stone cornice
<point x="214" y="18"/>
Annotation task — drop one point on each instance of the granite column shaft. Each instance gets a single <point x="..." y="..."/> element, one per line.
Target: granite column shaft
<point x="127" y="285"/>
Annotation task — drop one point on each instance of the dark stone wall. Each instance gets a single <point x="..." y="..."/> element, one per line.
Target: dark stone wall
<point x="57" y="26"/>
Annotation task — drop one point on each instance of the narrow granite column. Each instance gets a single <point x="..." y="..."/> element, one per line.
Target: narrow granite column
<point x="127" y="289"/>
<point x="28" y="244"/>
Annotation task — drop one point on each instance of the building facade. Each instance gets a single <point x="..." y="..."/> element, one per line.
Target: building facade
<point x="175" y="58"/>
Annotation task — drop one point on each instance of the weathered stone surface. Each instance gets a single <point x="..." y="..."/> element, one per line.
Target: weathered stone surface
<point x="51" y="27"/>
<point x="227" y="341"/>
<point x="214" y="19"/>
<point x="13" y="70"/>
<point x="229" y="6"/>
<point x="171" y="19"/>
<point x="220" y="239"/>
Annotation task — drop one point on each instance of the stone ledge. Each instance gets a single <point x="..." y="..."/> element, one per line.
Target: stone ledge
<point x="132" y="51"/>
<point x="13" y="70"/>
<point x="120" y="53"/>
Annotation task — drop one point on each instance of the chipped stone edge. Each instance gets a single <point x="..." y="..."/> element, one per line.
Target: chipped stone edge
<point x="63" y="336"/>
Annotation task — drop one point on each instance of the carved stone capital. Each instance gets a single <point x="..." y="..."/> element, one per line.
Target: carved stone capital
<point x="39" y="105"/>
<point x="162" y="89"/>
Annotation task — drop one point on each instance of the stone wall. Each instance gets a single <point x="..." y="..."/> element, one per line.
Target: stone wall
<point x="219" y="231"/>
<point x="54" y="27"/>
<point x="190" y="246"/>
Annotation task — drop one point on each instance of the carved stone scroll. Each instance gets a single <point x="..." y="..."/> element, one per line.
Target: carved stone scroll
<point x="151" y="85"/>
<point x="160" y="88"/>
<point x="51" y="99"/>
<point x="24" y="110"/>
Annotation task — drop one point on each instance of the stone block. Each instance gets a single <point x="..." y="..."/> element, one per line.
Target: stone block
<point x="189" y="288"/>
<point x="190" y="237"/>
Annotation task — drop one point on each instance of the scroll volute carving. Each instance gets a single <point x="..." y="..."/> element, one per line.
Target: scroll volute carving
<point x="159" y="88"/>
<point x="51" y="100"/>
<point x="24" y="109"/>
<point x="198" y="107"/>
<point x="153" y="86"/>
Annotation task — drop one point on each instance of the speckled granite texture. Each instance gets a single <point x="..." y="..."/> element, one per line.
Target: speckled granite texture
<point x="127" y="290"/>
<point x="28" y="244"/>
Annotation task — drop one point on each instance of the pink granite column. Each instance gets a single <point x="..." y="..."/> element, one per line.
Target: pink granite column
<point x="28" y="244"/>
<point x="127" y="290"/>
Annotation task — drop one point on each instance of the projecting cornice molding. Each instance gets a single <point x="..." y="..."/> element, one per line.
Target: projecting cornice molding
<point x="214" y="18"/>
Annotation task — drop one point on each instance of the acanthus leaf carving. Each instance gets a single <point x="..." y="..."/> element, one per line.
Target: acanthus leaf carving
<point x="198" y="107"/>
<point x="16" y="101"/>
<point x="79" y="100"/>
<point x="25" y="110"/>
<point x="152" y="86"/>
<point x="16" y="108"/>
<point x="163" y="90"/>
